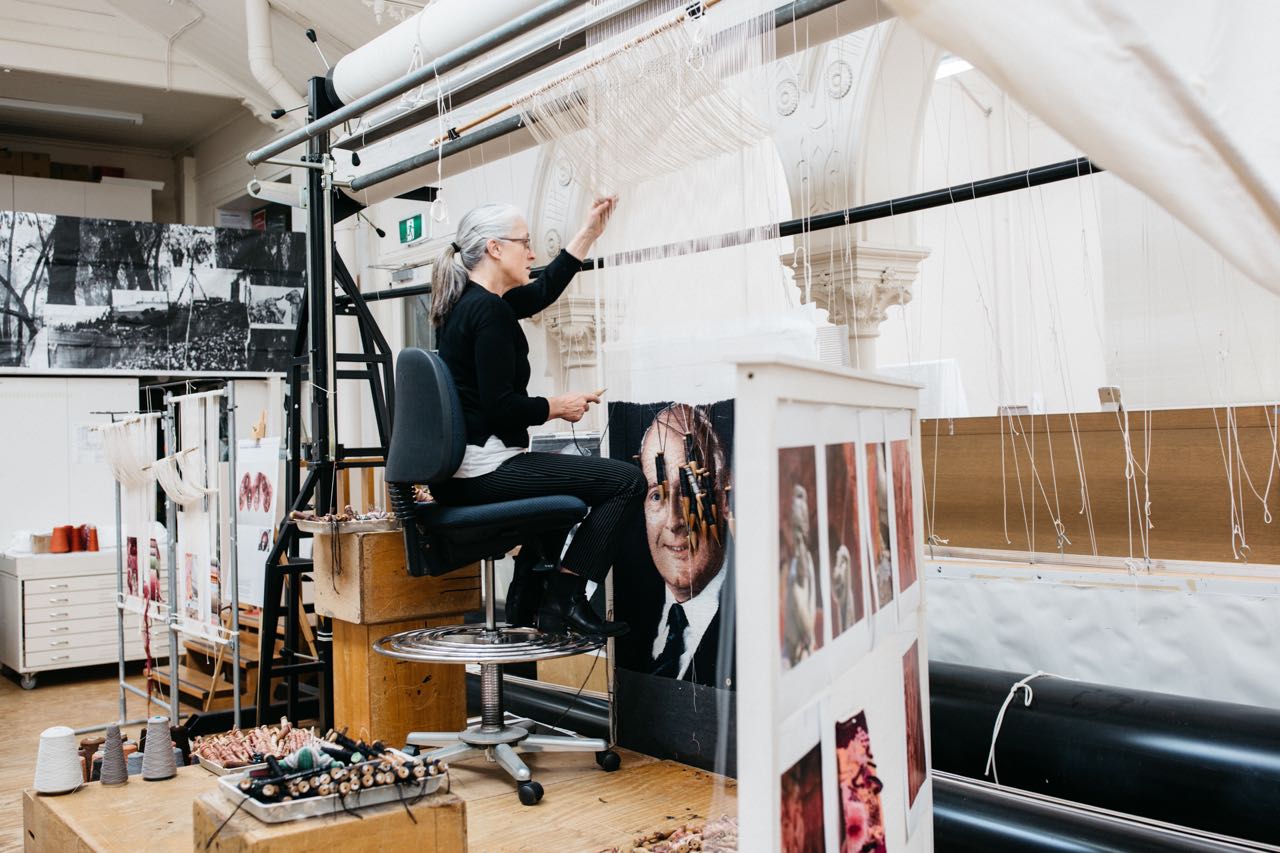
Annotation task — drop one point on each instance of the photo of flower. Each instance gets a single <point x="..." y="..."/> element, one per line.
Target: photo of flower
<point x="904" y="513"/>
<point x="858" y="788"/>
<point x="917" y="771"/>
<point x="802" y="830"/>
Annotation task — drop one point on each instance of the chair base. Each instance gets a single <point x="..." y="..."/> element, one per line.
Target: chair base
<point x="502" y="745"/>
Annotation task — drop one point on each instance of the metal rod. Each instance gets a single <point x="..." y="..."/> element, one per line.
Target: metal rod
<point x="171" y="521"/>
<point x="482" y="78"/>
<point x="1025" y="179"/>
<point x="782" y="16"/>
<point x="124" y="710"/>
<point x="102" y="726"/>
<point x="233" y="556"/>
<point x="535" y="18"/>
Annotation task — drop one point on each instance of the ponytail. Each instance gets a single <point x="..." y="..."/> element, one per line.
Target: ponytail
<point x="450" y="273"/>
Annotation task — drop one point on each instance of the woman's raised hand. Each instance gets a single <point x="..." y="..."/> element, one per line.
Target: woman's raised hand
<point x="571" y="407"/>
<point x="597" y="218"/>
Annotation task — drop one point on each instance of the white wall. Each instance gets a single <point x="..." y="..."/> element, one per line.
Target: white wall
<point x="1043" y="295"/>
<point x="1179" y="630"/>
<point x="1011" y="290"/>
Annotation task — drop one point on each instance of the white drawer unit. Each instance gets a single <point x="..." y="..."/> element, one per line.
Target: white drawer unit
<point x="59" y="611"/>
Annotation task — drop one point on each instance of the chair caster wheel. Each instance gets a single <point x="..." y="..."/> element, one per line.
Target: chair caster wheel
<point x="530" y="793"/>
<point x="28" y="681"/>
<point x="608" y="760"/>
<point x="411" y="749"/>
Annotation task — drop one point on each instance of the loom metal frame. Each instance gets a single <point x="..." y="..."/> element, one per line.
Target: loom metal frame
<point x="314" y="361"/>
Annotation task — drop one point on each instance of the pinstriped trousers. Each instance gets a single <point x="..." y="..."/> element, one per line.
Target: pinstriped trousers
<point x="614" y="490"/>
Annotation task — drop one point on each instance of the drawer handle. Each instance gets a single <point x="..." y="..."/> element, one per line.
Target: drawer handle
<point x="56" y="643"/>
<point x="60" y="629"/>
<point x="60" y="657"/>
<point x="63" y="614"/>
<point x="63" y="600"/>
<point x="54" y="586"/>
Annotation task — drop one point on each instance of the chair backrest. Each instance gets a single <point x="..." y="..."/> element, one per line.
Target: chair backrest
<point x="429" y="435"/>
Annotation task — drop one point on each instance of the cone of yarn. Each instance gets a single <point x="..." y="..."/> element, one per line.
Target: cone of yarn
<point x="58" y="762"/>
<point x="60" y="543"/>
<point x="157" y="755"/>
<point x="113" y="770"/>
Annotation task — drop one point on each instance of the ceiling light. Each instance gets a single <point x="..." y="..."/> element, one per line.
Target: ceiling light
<point x="71" y="111"/>
<point x="951" y="66"/>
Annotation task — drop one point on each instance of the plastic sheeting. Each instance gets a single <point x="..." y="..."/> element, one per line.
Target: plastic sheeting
<point x="1204" y="636"/>
<point x="1176" y="99"/>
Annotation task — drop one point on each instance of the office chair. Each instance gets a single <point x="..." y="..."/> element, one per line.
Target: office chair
<point x="427" y="441"/>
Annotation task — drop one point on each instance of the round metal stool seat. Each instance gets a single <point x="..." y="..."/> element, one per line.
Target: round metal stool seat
<point x="479" y="644"/>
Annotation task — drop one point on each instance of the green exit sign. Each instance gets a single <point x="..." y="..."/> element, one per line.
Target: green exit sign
<point x="411" y="229"/>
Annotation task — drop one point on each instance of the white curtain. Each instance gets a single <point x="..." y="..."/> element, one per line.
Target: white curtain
<point x="1180" y="98"/>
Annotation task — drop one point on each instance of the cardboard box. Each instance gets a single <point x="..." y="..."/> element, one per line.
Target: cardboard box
<point x="35" y="165"/>
<point x="100" y="172"/>
<point x="10" y="163"/>
<point x="70" y="172"/>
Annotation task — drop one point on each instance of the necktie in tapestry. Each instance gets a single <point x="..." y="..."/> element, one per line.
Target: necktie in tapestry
<point x="668" y="663"/>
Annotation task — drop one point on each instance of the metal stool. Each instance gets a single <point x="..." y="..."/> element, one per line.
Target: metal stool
<point x="427" y="444"/>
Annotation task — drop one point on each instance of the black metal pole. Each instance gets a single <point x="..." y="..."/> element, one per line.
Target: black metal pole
<point x="984" y="188"/>
<point x="1214" y="766"/>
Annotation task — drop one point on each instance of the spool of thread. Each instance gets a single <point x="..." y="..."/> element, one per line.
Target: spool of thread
<point x="157" y="755"/>
<point x="93" y="539"/>
<point x="88" y="746"/>
<point x="60" y="543"/>
<point x="74" y="537"/>
<point x="58" y="762"/>
<point x="113" y="768"/>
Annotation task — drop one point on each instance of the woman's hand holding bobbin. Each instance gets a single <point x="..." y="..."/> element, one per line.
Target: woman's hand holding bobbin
<point x="571" y="407"/>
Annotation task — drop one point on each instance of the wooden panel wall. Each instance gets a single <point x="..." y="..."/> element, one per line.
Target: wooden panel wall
<point x="1189" y="494"/>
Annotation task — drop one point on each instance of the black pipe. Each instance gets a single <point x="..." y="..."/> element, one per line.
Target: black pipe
<point x="1025" y="179"/>
<point x="1213" y="766"/>
<point x="586" y="715"/>
<point x="970" y="817"/>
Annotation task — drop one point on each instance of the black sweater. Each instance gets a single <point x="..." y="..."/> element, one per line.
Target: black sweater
<point x="488" y="354"/>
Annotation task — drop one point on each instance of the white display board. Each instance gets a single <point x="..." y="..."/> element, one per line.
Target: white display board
<point x="257" y="507"/>
<point x="833" y="717"/>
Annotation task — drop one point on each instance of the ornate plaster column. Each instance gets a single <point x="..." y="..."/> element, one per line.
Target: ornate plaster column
<point x="856" y="284"/>
<point x="570" y="325"/>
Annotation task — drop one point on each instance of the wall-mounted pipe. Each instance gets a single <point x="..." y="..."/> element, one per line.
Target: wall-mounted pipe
<point x="262" y="56"/>
<point x="548" y="11"/>
<point x="1214" y="766"/>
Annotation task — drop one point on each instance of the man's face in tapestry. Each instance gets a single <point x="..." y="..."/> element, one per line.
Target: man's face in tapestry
<point x="685" y="571"/>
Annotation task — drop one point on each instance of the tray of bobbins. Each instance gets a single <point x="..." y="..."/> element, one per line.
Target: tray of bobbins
<point x="347" y="521"/>
<point x="333" y="776"/>
<point x="244" y="750"/>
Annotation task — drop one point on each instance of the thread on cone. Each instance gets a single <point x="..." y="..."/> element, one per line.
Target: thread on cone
<point x="157" y="755"/>
<point x="58" y="762"/>
<point x="113" y="768"/>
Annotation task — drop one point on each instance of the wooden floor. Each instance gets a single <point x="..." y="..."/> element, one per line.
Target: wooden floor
<point x="584" y="809"/>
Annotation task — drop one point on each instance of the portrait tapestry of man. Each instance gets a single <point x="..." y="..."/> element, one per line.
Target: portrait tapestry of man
<point x="671" y="580"/>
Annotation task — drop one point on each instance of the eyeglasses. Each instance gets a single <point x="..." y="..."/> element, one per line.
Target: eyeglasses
<point x="523" y="240"/>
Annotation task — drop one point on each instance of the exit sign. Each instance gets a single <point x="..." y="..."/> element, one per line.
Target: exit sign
<point x="411" y="229"/>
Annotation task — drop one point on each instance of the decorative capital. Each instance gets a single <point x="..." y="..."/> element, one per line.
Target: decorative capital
<point x="571" y="327"/>
<point x="856" y="284"/>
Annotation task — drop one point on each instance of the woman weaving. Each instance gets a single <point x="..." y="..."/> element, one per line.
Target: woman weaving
<point x="480" y="292"/>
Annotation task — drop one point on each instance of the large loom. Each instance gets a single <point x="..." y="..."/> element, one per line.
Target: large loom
<point x="566" y="109"/>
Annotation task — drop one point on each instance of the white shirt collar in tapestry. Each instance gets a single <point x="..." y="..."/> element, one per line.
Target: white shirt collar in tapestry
<point x="699" y="610"/>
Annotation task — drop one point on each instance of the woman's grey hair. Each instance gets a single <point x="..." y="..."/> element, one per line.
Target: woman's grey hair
<point x="450" y="274"/>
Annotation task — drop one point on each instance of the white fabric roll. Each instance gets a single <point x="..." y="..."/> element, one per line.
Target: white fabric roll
<point x="445" y="26"/>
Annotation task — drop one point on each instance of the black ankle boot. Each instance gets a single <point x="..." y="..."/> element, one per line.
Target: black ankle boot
<point x="523" y="597"/>
<point x="565" y="609"/>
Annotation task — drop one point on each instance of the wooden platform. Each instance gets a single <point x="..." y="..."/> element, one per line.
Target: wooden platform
<point x="584" y="808"/>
